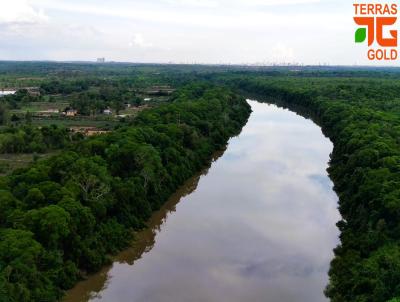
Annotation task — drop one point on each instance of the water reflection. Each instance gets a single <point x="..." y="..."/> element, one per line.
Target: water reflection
<point x="259" y="227"/>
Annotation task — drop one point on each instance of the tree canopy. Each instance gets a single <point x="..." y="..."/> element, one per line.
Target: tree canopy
<point x="61" y="217"/>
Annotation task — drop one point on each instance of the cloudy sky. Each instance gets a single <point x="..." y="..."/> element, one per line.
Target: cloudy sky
<point x="182" y="31"/>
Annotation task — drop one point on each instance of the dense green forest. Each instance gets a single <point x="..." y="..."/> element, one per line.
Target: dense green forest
<point x="28" y="139"/>
<point x="362" y="118"/>
<point x="62" y="217"/>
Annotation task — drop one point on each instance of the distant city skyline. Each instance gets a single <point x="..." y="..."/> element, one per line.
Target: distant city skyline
<point x="261" y="32"/>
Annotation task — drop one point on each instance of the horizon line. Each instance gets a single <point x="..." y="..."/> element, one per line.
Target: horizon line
<point x="283" y="64"/>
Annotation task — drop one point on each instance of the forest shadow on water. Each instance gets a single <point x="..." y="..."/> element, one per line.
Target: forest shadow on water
<point x="144" y="241"/>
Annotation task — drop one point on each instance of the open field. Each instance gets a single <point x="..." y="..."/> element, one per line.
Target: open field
<point x="75" y="122"/>
<point x="41" y="106"/>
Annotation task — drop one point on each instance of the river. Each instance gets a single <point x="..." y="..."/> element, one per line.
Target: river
<point x="257" y="225"/>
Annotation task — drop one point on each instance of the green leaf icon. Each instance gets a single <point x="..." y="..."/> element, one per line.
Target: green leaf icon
<point x="361" y="34"/>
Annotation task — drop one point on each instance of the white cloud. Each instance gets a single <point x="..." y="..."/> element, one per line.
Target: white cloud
<point x="195" y="3"/>
<point x="217" y="19"/>
<point x="139" y="41"/>
<point x="206" y="31"/>
<point x="20" y="12"/>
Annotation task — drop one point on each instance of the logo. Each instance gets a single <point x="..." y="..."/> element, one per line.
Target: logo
<point x="376" y="27"/>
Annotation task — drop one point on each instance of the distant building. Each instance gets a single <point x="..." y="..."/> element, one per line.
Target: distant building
<point x="7" y="92"/>
<point x="159" y="90"/>
<point x="33" y="91"/>
<point x="96" y="132"/>
<point x="88" y="131"/>
<point x="71" y="112"/>
<point x="107" y="111"/>
<point x="100" y="60"/>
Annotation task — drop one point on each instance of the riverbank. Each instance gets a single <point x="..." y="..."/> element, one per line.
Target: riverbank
<point x="260" y="223"/>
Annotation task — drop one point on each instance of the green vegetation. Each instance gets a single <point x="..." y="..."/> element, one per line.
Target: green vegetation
<point x="61" y="217"/>
<point x="78" y="94"/>
<point x="11" y="162"/>
<point x="54" y="107"/>
<point x="29" y="139"/>
<point x="361" y="117"/>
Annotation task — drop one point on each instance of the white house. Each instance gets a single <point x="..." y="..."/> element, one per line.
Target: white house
<point x="107" y="111"/>
<point x="7" y="92"/>
<point x="71" y="112"/>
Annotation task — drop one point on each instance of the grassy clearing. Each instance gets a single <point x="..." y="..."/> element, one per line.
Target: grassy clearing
<point x="75" y="122"/>
<point x="41" y="106"/>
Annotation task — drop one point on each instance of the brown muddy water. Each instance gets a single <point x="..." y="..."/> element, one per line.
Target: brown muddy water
<point x="258" y="225"/>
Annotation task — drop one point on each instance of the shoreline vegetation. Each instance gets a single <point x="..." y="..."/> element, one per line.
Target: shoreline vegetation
<point x="143" y="239"/>
<point x="61" y="217"/>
